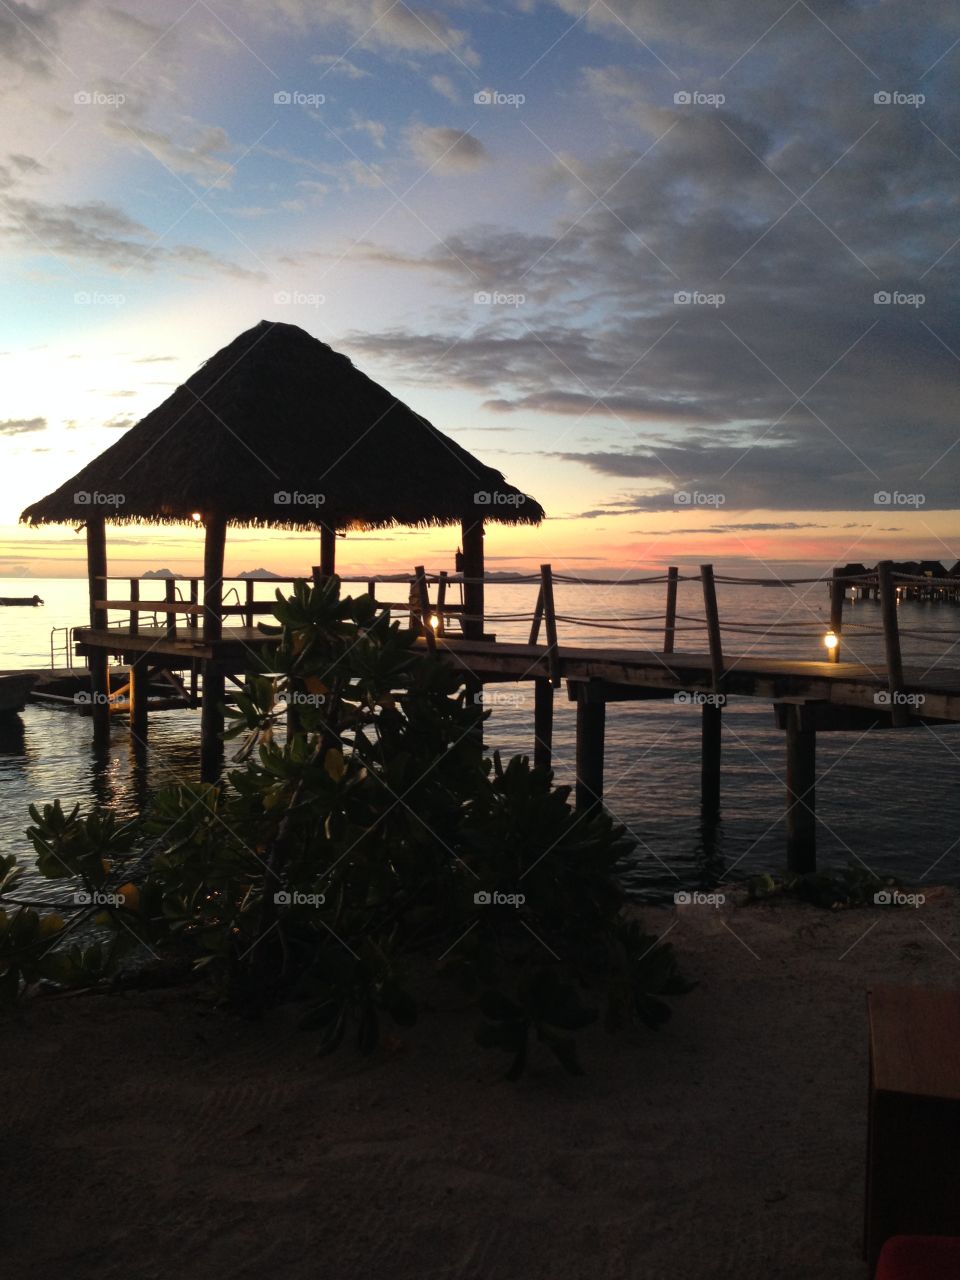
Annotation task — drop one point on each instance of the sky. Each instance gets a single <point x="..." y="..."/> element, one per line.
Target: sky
<point x="687" y="273"/>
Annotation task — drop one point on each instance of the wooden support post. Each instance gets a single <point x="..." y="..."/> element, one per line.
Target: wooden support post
<point x="170" y="595"/>
<point x="441" y="600"/>
<point x="713" y="625"/>
<point x="98" y="659"/>
<point x="670" y="620"/>
<point x="328" y="551"/>
<point x="139" y="692"/>
<point x="801" y="793"/>
<point x="248" y="616"/>
<point x="550" y="623"/>
<point x="591" y="724"/>
<point x="837" y="589"/>
<point x="542" y="724"/>
<point x="213" y="549"/>
<point x="537" y="617"/>
<point x="423" y="606"/>
<point x="194" y="600"/>
<point x="211" y="722"/>
<point x="134" y="611"/>
<point x="899" y="712"/>
<point x="372" y="590"/>
<point x="473" y="603"/>
<point x="710" y="744"/>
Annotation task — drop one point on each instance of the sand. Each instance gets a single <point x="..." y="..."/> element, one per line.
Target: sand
<point x="148" y="1135"/>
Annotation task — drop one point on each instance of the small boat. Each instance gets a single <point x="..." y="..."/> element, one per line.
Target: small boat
<point x="15" y="688"/>
<point x="29" y="600"/>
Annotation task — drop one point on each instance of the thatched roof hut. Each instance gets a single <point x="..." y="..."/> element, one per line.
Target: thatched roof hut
<point x="278" y="430"/>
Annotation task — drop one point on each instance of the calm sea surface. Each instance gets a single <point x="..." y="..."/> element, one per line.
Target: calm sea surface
<point x="890" y="800"/>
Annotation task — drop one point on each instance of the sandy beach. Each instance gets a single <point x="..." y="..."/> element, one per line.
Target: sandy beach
<point x="147" y="1133"/>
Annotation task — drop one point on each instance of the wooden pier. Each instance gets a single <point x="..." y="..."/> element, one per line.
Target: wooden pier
<point x="807" y="697"/>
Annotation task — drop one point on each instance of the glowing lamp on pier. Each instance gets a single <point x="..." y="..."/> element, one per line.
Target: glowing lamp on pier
<point x="831" y="640"/>
<point x="434" y="621"/>
<point x="196" y="517"/>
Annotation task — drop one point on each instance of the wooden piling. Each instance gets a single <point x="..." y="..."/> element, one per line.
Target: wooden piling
<point x="591" y="727"/>
<point x="170" y="595"/>
<point x="899" y="713"/>
<point x="134" y="601"/>
<point x="550" y="623"/>
<point x="194" y="618"/>
<point x="713" y="625"/>
<point x="801" y="793"/>
<point x="328" y="551"/>
<point x="211" y="722"/>
<point x="670" y="620"/>
<point x="98" y="660"/>
<point x="139" y="693"/>
<point x="542" y="723"/>
<point x="837" y="591"/>
<point x="471" y="531"/>
<point x="423" y="606"/>
<point x="710" y="744"/>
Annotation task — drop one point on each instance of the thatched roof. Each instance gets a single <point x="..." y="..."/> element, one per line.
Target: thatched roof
<point x="279" y="412"/>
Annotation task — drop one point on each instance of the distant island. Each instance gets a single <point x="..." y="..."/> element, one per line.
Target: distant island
<point x="159" y="573"/>
<point x="258" y="573"/>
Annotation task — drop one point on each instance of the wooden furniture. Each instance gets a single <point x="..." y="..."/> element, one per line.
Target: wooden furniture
<point x="913" y="1139"/>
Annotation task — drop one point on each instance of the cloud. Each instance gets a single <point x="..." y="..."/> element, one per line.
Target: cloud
<point x="20" y="426"/>
<point x="201" y="158"/>
<point x="338" y="65"/>
<point x="102" y="233"/>
<point x="446" y="150"/>
<point x="446" y="88"/>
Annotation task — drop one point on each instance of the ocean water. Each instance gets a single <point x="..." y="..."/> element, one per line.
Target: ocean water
<point x="886" y="800"/>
